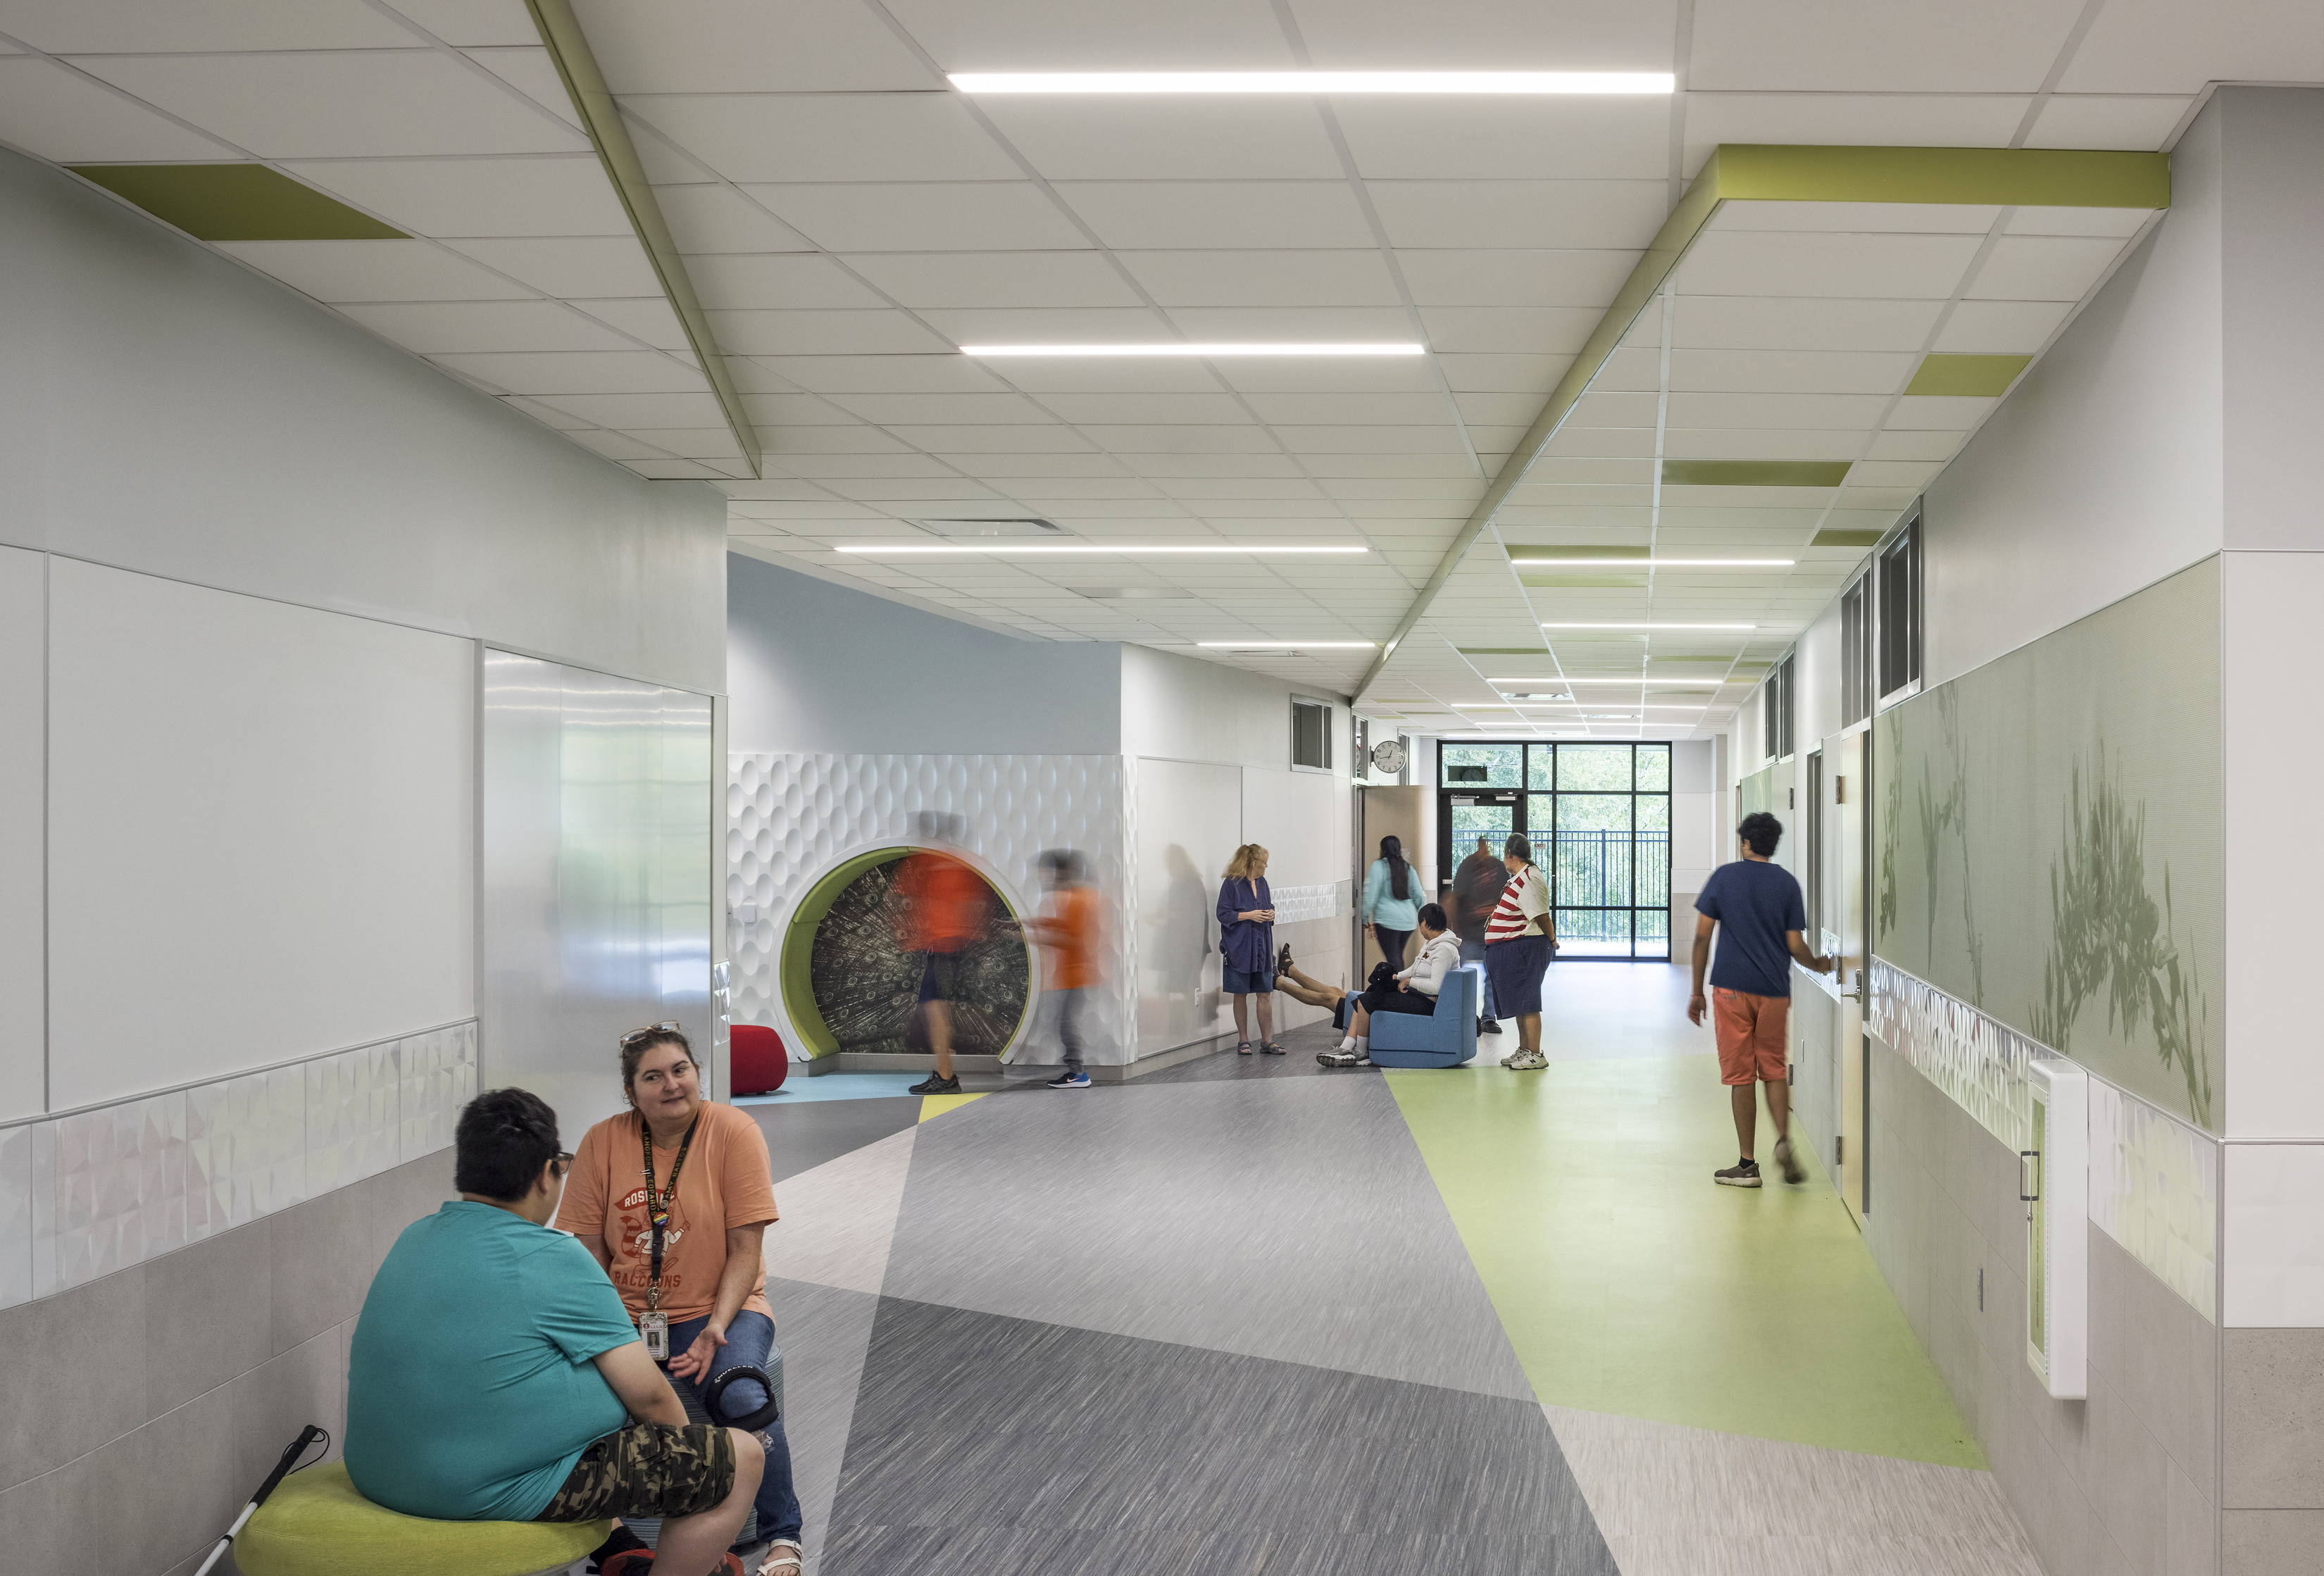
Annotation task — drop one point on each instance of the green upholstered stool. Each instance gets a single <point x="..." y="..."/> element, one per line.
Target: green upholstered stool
<point x="317" y="1525"/>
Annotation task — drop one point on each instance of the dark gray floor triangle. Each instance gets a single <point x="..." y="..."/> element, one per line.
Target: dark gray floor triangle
<point x="980" y="1442"/>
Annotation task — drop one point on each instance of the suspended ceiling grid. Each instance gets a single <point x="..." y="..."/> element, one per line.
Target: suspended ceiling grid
<point x="848" y="219"/>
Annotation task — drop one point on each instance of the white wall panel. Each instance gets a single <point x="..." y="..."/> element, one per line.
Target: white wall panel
<point x="261" y="839"/>
<point x="24" y="657"/>
<point x="1189" y="823"/>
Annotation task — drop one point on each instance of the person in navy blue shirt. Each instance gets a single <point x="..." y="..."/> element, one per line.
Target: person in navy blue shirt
<point x="1756" y="907"/>
<point x="1247" y="945"/>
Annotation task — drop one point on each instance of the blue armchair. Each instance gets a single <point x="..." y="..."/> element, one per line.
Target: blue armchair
<point x="1445" y="1038"/>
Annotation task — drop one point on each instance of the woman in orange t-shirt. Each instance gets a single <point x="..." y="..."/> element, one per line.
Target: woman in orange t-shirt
<point x="707" y="1174"/>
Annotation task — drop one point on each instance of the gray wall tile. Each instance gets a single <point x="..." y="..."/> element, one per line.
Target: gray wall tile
<point x="207" y="1315"/>
<point x="271" y="1403"/>
<point x="185" y="1489"/>
<point x="322" y="1264"/>
<point x="2273" y="1385"/>
<point x="57" y="1407"/>
<point x="2190" y="1528"/>
<point x="2269" y="1543"/>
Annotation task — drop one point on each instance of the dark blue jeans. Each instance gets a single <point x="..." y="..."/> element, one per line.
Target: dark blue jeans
<point x="749" y="1340"/>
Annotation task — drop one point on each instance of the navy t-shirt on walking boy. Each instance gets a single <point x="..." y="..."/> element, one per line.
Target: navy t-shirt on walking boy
<point x="1757" y="903"/>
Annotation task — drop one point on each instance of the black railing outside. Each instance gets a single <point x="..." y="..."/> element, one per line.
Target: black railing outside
<point x="1611" y="869"/>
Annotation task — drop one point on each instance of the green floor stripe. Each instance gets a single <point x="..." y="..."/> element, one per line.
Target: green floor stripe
<point x="1629" y="1284"/>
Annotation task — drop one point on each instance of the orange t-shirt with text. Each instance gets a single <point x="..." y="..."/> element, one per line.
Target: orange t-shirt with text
<point x="726" y="1183"/>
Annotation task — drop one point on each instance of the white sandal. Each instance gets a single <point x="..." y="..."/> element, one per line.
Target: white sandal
<point x="784" y="1558"/>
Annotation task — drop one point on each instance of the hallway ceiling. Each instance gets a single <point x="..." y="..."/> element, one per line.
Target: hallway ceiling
<point x="848" y="219"/>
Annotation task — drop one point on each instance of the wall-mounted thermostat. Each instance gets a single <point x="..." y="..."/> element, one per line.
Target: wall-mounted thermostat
<point x="2054" y="1181"/>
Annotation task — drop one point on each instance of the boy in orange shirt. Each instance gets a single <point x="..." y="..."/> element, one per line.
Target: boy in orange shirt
<point x="1070" y="926"/>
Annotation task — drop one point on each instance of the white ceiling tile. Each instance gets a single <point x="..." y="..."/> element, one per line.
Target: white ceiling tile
<point x="970" y="410"/>
<point x="1915" y="446"/>
<point x="1179" y="438"/>
<point x="1230" y="214"/>
<point x="2169" y="46"/>
<point x="1184" y="466"/>
<point x="1021" y="438"/>
<point x="1733" y="263"/>
<point x="533" y="73"/>
<point x="909" y="216"/>
<point x="1122" y="138"/>
<point x="943" y="373"/>
<point x="1830" y="45"/>
<point x="468" y="23"/>
<point x="1928" y="412"/>
<point x="1510" y="330"/>
<point x="753" y="137"/>
<point x="1517" y="138"/>
<point x="47" y="110"/>
<point x="1048" y="326"/>
<point x="374" y="270"/>
<point x="833" y="467"/>
<point x="1348" y="278"/>
<point x="450" y="197"/>
<point x="1608" y="442"/>
<point x="1912" y="473"/>
<point x="707" y="219"/>
<point x="1790" y="372"/>
<point x="2004" y="326"/>
<point x="1528" y="375"/>
<point x="1367" y="409"/>
<point x="1825" y="412"/>
<point x="359" y="104"/>
<point x="1760" y="443"/>
<point x="1857" y="119"/>
<point x="1558" y="214"/>
<point x="955" y="491"/>
<point x="690" y="442"/>
<point x="1515" y="278"/>
<point x="195" y="25"/>
<point x="1439" y="440"/>
<point x="1207" y="409"/>
<point x="578" y="371"/>
<point x="858" y="438"/>
<point x="1380" y="325"/>
<point x="996" y="279"/>
<point x="790" y="409"/>
<point x="2120" y="223"/>
<point x="432" y="327"/>
<point x="616" y="446"/>
<point x="1333" y="374"/>
<point x="882" y="332"/>
<point x="2043" y="268"/>
<point x="646" y="318"/>
<point x="1501" y="408"/>
<point x="788" y="280"/>
<point x="748" y="46"/>
<point x="570" y="265"/>
<point x="641" y="411"/>
<point x="1035" y="35"/>
<point x="1790" y="323"/>
<point x="2095" y="121"/>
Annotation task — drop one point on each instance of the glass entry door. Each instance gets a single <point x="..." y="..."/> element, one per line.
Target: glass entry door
<point x="1598" y="816"/>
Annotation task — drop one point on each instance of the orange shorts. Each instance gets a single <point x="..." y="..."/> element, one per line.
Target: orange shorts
<point x="1753" y="1041"/>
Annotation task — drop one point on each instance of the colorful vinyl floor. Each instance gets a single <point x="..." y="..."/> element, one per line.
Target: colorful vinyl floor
<point x="1247" y="1317"/>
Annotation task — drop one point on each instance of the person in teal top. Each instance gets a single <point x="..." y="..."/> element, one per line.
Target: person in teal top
<point x="494" y="1374"/>
<point x="1392" y="900"/>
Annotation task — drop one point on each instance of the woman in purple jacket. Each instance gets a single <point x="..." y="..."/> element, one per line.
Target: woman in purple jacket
<point x="1247" y="938"/>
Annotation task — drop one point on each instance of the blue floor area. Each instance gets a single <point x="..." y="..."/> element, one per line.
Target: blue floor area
<point x="798" y="1088"/>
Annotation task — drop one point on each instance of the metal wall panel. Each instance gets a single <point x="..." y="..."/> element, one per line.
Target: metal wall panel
<point x="597" y="875"/>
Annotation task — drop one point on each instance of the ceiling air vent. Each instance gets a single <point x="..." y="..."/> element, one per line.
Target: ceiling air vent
<point x="966" y="528"/>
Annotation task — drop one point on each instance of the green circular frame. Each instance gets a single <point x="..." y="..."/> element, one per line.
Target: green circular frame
<point x="799" y="948"/>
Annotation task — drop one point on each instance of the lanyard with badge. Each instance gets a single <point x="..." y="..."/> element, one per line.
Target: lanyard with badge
<point x="654" y="1325"/>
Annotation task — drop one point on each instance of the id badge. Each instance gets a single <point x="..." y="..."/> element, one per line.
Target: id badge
<point x="655" y="1328"/>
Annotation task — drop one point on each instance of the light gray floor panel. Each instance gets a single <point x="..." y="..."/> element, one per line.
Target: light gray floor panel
<point x="1286" y="1218"/>
<point x="823" y="1331"/>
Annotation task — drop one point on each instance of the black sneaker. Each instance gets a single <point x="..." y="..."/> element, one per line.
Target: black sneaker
<point x="1743" y="1175"/>
<point x="1788" y="1160"/>
<point x="1489" y="1025"/>
<point x="932" y="1084"/>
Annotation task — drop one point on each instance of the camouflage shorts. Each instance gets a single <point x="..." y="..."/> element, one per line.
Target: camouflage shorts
<point x="648" y="1469"/>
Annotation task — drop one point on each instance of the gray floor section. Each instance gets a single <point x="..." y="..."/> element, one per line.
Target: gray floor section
<point x="802" y="1137"/>
<point x="823" y="1331"/>
<point x="988" y="1443"/>
<point x="1273" y="1216"/>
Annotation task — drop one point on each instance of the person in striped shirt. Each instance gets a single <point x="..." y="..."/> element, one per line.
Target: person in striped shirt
<point x="1519" y="938"/>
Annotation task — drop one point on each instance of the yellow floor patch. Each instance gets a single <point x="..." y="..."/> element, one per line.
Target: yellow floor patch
<point x="932" y="1105"/>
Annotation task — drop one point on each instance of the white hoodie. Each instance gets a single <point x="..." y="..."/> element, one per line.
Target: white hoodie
<point x="1437" y="959"/>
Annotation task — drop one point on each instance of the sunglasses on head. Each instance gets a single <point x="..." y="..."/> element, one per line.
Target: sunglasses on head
<point x="635" y="1034"/>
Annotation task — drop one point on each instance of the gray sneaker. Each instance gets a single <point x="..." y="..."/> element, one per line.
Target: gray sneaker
<point x="1526" y="1062"/>
<point x="1746" y="1175"/>
<point x="1788" y="1159"/>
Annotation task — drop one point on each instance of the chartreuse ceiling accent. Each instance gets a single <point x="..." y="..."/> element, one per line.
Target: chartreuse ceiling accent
<point x="235" y="202"/>
<point x="1789" y="269"/>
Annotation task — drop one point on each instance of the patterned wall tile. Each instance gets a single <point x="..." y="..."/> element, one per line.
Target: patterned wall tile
<point x="15" y="1216"/>
<point x="2155" y="1180"/>
<point x="1296" y="905"/>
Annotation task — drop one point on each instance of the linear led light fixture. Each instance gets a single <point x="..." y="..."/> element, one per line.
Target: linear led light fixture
<point x="885" y="549"/>
<point x="1650" y="626"/>
<point x="1206" y="352"/>
<point x="1688" y="683"/>
<point x="1286" y="645"/>
<point x="1313" y="82"/>
<point x="1654" y="563"/>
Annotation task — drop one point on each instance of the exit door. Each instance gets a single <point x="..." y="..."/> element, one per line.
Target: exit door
<point x="1467" y="814"/>
<point x="1846" y="860"/>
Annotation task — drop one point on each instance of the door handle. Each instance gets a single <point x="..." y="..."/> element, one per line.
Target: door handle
<point x="2029" y="1175"/>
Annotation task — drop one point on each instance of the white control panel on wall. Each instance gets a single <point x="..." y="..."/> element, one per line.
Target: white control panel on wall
<point x="2054" y="1181"/>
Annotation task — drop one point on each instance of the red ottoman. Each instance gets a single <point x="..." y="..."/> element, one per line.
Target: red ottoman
<point x="760" y="1063"/>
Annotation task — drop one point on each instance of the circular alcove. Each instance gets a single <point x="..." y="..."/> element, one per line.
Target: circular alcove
<point x="849" y="986"/>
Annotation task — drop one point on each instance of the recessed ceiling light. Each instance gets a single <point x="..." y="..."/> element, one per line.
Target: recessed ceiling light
<point x="1653" y="563"/>
<point x="1650" y="626"/>
<point x="1205" y="351"/>
<point x="1313" y="82"/>
<point x="886" y="548"/>
<point x="1286" y="645"/>
<point x="1609" y="678"/>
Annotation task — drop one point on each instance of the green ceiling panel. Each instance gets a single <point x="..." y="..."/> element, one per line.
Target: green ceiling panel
<point x="1754" y="472"/>
<point x="235" y="202"/>
<point x="1848" y="539"/>
<point x="1975" y="376"/>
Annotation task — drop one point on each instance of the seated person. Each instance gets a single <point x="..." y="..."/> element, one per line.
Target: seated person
<point x="1413" y="990"/>
<point x="495" y="1375"/>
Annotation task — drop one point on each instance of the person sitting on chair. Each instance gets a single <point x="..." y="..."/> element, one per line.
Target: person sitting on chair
<point x="494" y="1375"/>
<point x="1413" y="990"/>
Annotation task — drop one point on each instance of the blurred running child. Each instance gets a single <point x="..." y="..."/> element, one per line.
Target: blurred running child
<point x="1070" y="927"/>
<point x="944" y="914"/>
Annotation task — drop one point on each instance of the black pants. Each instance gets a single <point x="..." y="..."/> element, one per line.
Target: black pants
<point x="1381" y="994"/>
<point x="1391" y="945"/>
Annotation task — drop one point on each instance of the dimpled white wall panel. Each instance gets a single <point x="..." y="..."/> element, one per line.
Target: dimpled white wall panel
<point x="790" y="817"/>
<point x="92" y="1192"/>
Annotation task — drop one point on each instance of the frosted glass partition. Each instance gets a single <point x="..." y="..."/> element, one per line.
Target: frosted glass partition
<point x="598" y="882"/>
<point x="1189" y="823"/>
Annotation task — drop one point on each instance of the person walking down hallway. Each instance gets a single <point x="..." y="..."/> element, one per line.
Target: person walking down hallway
<point x="1756" y="907"/>
<point x="1391" y="902"/>
<point x="1519" y="942"/>
<point x="1476" y="891"/>
<point x="944" y="914"/>
<point x="1247" y="944"/>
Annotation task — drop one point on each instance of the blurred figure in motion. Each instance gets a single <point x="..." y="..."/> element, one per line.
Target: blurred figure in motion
<point x="945" y="911"/>
<point x="1476" y="891"/>
<point x="1391" y="900"/>
<point x="1185" y="940"/>
<point x="1247" y="940"/>
<point x="1070" y="927"/>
